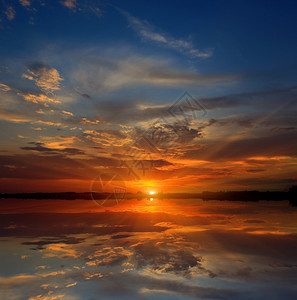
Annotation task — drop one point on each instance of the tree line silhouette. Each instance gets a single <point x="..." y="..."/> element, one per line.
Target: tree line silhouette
<point x="290" y="195"/>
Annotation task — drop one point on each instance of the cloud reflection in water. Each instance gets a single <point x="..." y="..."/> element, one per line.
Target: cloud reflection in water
<point x="168" y="249"/>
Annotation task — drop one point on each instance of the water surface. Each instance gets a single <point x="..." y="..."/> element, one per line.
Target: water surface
<point x="161" y="249"/>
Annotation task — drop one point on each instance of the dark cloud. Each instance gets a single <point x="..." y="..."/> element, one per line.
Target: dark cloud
<point x="239" y="121"/>
<point x="84" y="95"/>
<point x="184" y="133"/>
<point x="254" y="221"/>
<point x="261" y="100"/>
<point x="39" y="167"/>
<point x="96" y="148"/>
<point x="268" y="182"/>
<point x="165" y="137"/>
<point x="57" y="166"/>
<point x="283" y="128"/>
<point x="115" y="133"/>
<point x="259" y="103"/>
<point x="273" y="145"/>
<point x="256" y="170"/>
<point x="161" y="163"/>
<point x="40" y="148"/>
<point x="40" y="244"/>
<point x="120" y="236"/>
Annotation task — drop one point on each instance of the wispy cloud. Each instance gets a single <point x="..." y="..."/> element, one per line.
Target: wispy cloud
<point x="41" y="98"/>
<point x="13" y="115"/>
<point x="4" y="87"/>
<point x="83" y="7"/>
<point x="147" y="32"/>
<point x="10" y="13"/>
<point x="25" y="2"/>
<point x="71" y="4"/>
<point x="108" y="74"/>
<point x="46" y="78"/>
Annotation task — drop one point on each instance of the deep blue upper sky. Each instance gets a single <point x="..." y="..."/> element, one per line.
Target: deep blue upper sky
<point x="246" y="36"/>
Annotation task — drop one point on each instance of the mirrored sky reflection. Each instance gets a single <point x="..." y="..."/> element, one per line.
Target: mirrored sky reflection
<point x="162" y="249"/>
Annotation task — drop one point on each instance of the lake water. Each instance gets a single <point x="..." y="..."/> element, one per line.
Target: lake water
<point x="160" y="249"/>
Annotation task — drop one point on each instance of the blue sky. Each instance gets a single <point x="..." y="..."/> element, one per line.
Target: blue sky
<point x="88" y="75"/>
<point x="245" y="37"/>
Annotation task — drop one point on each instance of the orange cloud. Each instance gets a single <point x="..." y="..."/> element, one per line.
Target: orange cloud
<point x="45" y="77"/>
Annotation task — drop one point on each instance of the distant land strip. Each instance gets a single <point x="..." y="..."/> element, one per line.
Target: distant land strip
<point x="223" y="196"/>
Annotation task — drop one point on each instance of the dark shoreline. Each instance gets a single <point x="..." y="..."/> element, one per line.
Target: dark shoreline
<point x="223" y="196"/>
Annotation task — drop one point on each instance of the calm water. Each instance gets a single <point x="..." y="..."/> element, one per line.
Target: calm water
<point x="160" y="249"/>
